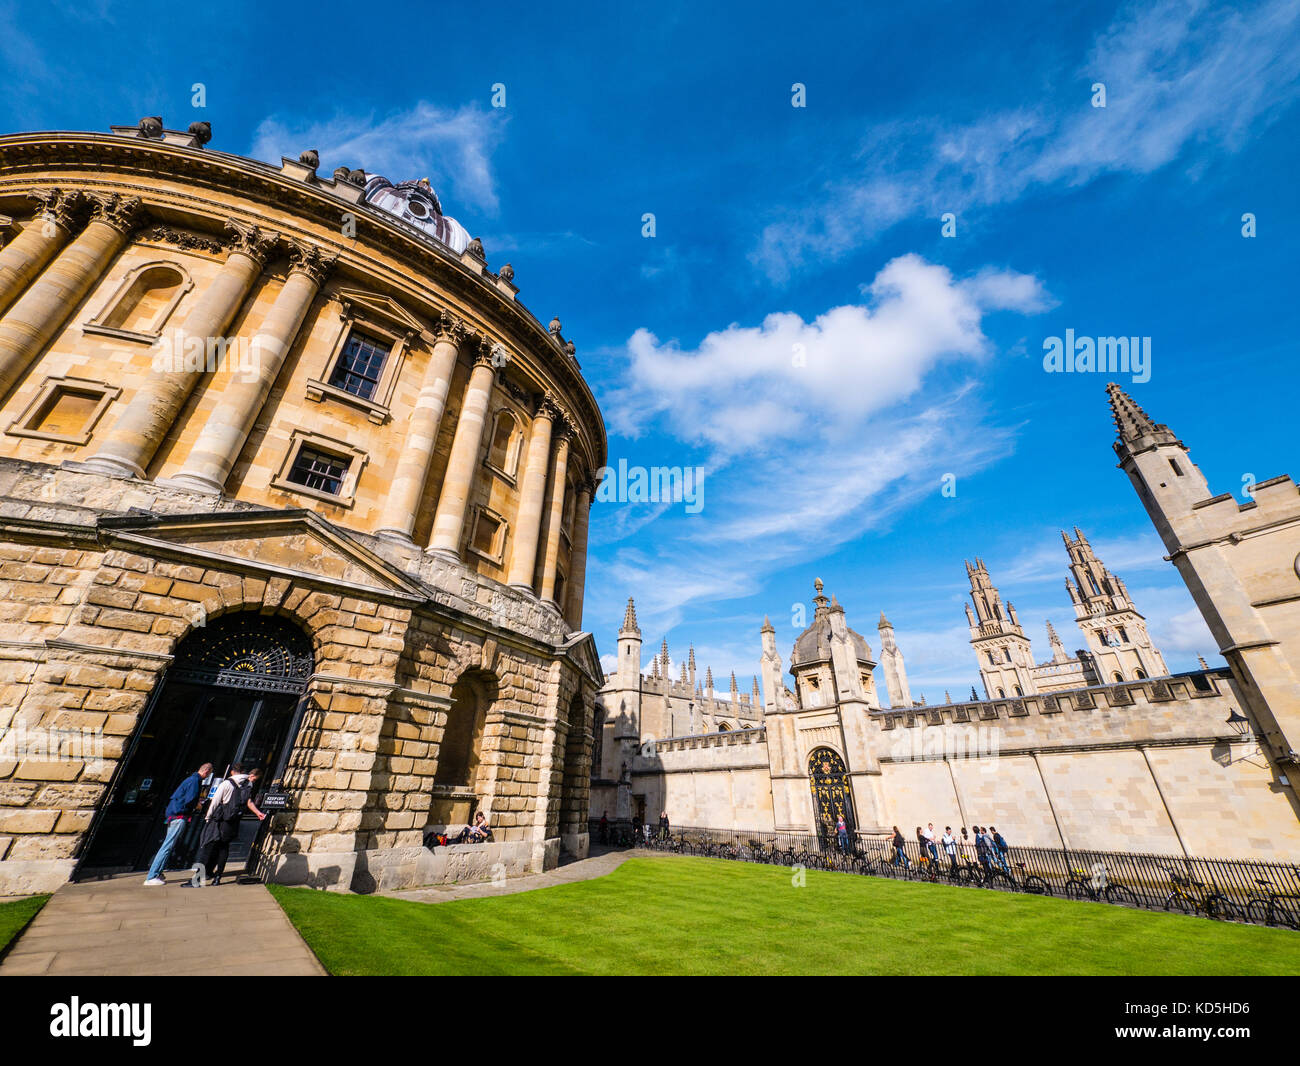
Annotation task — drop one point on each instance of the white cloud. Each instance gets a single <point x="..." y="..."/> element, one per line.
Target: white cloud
<point x="453" y="148"/>
<point x="1177" y="73"/>
<point x="747" y="387"/>
<point x="802" y="454"/>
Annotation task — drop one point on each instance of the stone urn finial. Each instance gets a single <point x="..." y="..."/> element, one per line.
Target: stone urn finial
<point x="201" y="132"/>
<point x="555" y="327"/>
<point x="357" y="177"/>
<point x="475" y="248"/>
<point x="507" y="273"/>
<point x="310" y="158"/>
<point x="151" y="127"/>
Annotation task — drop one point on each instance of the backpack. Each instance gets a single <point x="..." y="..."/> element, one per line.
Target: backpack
<point x="233" y="808"/>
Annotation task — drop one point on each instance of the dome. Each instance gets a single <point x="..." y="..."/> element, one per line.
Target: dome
<point x="416" y="204"/>
<point x="813" y="645"/>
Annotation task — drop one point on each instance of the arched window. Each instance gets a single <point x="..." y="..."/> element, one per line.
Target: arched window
<point x="144" y="301"/>
<point x="1118" y="676"/>
<point x="723" y="727"/>
<point x="1018" y="692"/>
<point x="1007" y="653"/>
<point x="503" y="452"/>
<point x="1141" y="675"/>
<point x="1002" y="694"/>
<point x="460" y="751"/>
<point x="992" y="661"/>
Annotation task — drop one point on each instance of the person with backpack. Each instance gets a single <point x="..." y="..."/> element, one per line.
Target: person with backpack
<point x="1000" y="848"/>
<point x="180" y="807"/>
<point x="982" y="849"/>
<point x="221" y="823"/>
<point x="900" y="856"/>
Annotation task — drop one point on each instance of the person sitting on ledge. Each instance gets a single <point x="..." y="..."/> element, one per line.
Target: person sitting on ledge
<point x="478" y="833"/>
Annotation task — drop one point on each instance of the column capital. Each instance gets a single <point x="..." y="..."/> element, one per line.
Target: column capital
<point x="565" y="429"/>
<point x="549" y="407"/>
<point x="484" y="355"/>
<point x="252" y="241"/>
<point x="314" y="262"/>
<point x="63" y="207"/>
<point x="123" y="213"/>
<point x="450" y="328"/>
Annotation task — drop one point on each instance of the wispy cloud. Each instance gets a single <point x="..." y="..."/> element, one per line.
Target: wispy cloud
<point x="453" y="148"/>
<point x="812" y="433"/>
<point x="1177" y="74"/>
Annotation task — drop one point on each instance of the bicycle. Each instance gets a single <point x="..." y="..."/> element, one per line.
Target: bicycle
<point x="1080" y="886"/>
<point x="1275" y="908"/>
<point x="1189" y="895"/>
<point x="1031" y="883"/>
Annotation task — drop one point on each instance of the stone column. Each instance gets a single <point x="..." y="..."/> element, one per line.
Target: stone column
<point x="532" y="497"/>
<point x="27" y="254"/>
<point x="33" y="320"/>
<point x="559" y="484"/>
<point x="449" y="519"/>
<point x="403" y="503"/>
<point x="223" y="435"/>
<point x="578" y="558"/>
<point x="139" y="430"/>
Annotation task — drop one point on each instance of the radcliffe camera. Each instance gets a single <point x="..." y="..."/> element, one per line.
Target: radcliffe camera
<point x="722" y="491"/>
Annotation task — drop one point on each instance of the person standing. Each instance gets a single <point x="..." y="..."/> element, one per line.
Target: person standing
<point x="930" y="846"/>
<point x="1000" y="848"/>
<point x="177" y="816"/>
<point x="900" y="856"/>
<point x="604" y="827"/>
<point x="663" y="825"/>
<point x="842" y="835"/>
<point x="221" y="823"/>
<point x="982" y="847"/>
<point x="949" y="843"/>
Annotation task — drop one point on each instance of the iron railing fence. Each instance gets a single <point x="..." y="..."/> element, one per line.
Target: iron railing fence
<point x="1246" y="890"/>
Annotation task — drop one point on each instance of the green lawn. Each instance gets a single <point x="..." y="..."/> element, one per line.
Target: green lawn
<point x="15" y="915"/>
<point x="675" y="915"/>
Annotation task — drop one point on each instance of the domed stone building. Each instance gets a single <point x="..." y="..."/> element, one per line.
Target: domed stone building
<point x="288" y="477"/>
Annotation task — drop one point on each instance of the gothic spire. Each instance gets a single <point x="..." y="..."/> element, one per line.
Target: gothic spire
<point x="1134" y="423"/>
<point x="629" y="618"/>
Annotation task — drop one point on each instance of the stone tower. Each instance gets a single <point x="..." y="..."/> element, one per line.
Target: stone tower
<point x="1239" y="563"/>
<point x="1115" y="633"/>
<point x="1005" y="656"/>
<point x="891" y="664"/>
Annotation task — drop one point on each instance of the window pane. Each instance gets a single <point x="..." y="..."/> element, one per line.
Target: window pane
<point x="360" y="365"/>
<point x="319" y="470"/>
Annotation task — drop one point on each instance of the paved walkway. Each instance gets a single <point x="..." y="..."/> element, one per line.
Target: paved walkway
<point x="118" y="927"/>
<point x="597" y="865"/>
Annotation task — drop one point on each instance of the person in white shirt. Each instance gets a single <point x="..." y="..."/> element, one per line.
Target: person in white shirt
<point x="221" y="822"/>
<point x="928" y="834"/>
<point x="949" y="843"/>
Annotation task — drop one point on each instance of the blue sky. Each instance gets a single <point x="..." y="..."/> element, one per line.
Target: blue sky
<point x="798" y="326"/>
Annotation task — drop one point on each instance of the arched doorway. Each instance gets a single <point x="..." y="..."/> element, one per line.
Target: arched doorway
<point x="233" y="694"/>
<point x="832" y="797"/>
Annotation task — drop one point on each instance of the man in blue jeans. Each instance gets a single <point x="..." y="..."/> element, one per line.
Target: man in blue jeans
<point x="176" y="818"/>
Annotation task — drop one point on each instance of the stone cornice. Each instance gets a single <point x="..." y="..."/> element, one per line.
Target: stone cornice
<point x="127" y="164"/>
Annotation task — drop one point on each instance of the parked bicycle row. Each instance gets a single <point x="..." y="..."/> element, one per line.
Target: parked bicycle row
<point x="1231" y="890"/>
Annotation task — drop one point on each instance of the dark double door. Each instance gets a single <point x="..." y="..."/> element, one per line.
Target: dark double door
<point x="189" y="725"/>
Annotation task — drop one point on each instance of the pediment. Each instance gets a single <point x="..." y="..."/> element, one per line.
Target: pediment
<point x="581" y="648"/>
<point x="293" y="544"/>
<point x="371" y="304"/>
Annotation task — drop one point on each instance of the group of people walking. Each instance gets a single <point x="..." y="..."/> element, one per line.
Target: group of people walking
<point x="226" y="804"/>
<point x="991" y="847"/>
